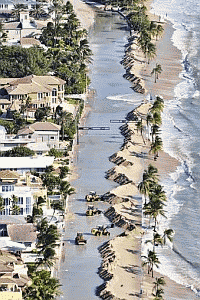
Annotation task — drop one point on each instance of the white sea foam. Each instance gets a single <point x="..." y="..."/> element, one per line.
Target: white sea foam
<point x="133" y="98"/>
<point x="196" y="94"/>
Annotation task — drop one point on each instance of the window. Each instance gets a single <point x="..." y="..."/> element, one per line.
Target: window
<point x="53" y="100"/>
<point x="54" y="92"/>
<point x="21" y="211"/>
<point x="52" y="137"/>
<point x="7" y="188"/>
<point x="6" y="5"/>
<point x="28" y="205"/>
<point x="20" y="200"/>
<point x="40" y="96"/>
<point x="7" y="201"/>
<point x="27" y="244"/>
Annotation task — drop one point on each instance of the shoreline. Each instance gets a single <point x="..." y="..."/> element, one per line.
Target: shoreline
<point x="112" y="287"/>
<point x="168" y="79"/>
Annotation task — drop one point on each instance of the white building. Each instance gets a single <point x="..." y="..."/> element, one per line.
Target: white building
<point x="16" y="30"/>
<point x="26" y="164"/>
<point x="26" y="190"/>
<point x="42" y="132"/>
<point x="6" y="6"/>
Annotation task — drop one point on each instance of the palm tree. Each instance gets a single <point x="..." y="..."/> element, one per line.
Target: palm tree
<point x="66" y="189"/>
<point x="149" y="179"/>
<point x="47" y="241"/>
<point x="157" y="70"/>
<point x="151" y="51"/>
<point x="158" y="105"/>
<point x="157" y="290"/>
<point x="152" y="172"/>
<point x="168" y="233"/>
<point x="157" y="240"/>
<point x="139" y="126"/>
<point x="153" y="28"/>
<point x="159" y="31"/>
<point x="15" y="209"/>
<point x="25" y="104"/>
<point x="143" y="187"/>
<point x="157" y="191"/>
<point x="157" y="119"/>
<point x="17" y="9"/>
<point x="38" y="10"/>
<point x="63" y="119"/>
<point x="151" y="261"/>
<point x="2" y="205"/>
<point x="156" y="146"/>
<point x="155" y="130"/>
<point x="153" y="209"/>
<point x="43" y="286"/>
<point x="55" y="205"/>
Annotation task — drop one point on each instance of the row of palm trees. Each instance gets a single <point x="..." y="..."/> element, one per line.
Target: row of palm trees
<point x="146" y="30"/>
<point x="154" y="198"/>
<point x="154" y="121"/>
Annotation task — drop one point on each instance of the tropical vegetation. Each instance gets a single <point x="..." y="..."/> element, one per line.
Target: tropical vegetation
<point x="68" y="50"/>
<point x="154" y="198"/>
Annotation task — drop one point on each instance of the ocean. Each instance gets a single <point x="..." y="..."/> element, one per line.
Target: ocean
<point x="180" y="133"/>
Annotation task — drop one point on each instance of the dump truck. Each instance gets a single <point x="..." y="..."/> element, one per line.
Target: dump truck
<point x="91" y="211"/>
<point x="100" y="230"/>
<point x="79" y="240"/>
<point x="92" y="196"/>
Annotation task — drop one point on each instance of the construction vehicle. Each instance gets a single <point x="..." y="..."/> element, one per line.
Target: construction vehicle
<point x="91" y="211"/>
<point x="79" y="240"/>
<point x="100" y="230"/>
<point x="92" y="196"/>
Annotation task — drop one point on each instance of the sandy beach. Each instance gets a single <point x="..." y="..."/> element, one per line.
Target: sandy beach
<point x="127" y="277"/>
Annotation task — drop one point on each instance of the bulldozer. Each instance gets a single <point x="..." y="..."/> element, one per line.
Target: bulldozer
<point x="92" y="196"/>
<point x="79" y="240"/>
<point x="91" y="211"/>
<point x="100" y="230"/>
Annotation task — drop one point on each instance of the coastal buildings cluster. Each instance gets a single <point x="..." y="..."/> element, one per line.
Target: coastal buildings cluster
<point x="37" y="126"/>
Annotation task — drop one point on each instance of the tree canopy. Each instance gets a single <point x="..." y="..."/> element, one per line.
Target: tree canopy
<point x="18" y="62"/>
<point x="18" y="151"/>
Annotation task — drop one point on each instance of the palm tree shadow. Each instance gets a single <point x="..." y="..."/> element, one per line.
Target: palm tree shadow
<point x="138" y="295"/>
<point x="133" y="251"/>
<point x="134" y="269"/>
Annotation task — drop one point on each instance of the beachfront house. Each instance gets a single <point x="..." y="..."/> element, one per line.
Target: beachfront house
<point x="41" y="132"/>
<point x="13" y="276"/>
<point x="43" y="91"/>
<point x="24" y="27"/>
<point x="39" y="137"/>
<point x="26" y="189"/>
<point x="26" y="164"/>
